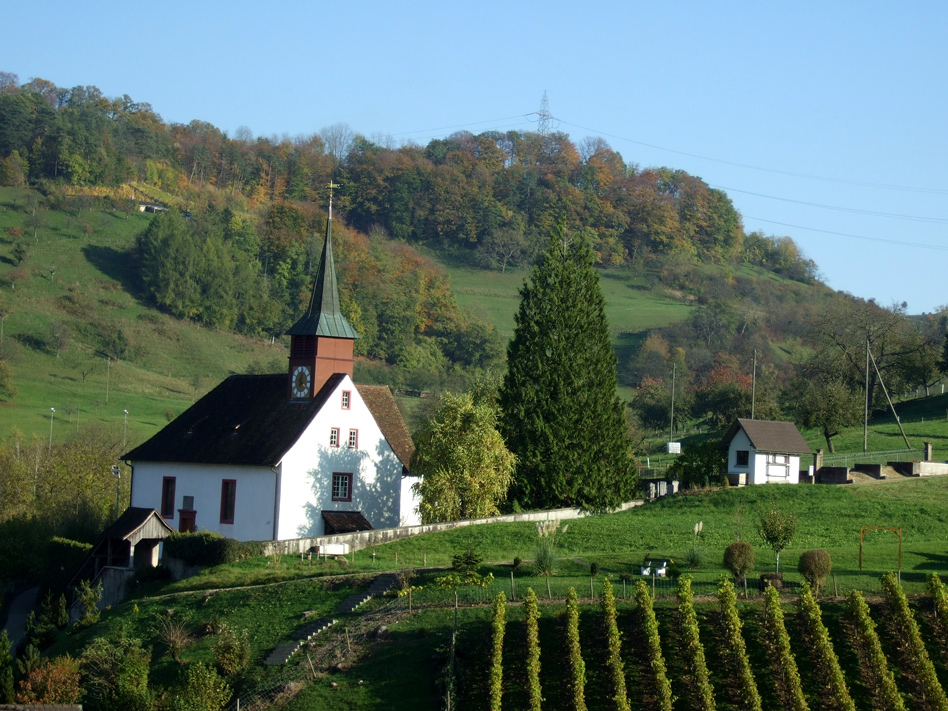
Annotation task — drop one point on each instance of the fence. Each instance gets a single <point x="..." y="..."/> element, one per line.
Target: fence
<point x="892" y="455"/>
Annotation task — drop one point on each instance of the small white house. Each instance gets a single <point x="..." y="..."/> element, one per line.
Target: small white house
<point x="763" y="452"/>
<point x="290" y="455"/>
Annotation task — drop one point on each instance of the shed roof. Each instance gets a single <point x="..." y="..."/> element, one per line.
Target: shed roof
<point x="769" y="436"/>
<point x="346" y="521"/>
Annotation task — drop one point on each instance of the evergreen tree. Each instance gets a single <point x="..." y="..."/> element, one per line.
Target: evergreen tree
<point x="561" y="415"/>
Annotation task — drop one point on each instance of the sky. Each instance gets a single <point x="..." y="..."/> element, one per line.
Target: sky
<point x="823" y="121"/>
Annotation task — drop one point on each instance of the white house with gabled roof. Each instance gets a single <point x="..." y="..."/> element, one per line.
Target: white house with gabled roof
<point x="763" y="452"/>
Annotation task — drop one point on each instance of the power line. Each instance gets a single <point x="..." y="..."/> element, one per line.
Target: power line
<point x="901" y="243"/>
<point x="844" y="181"/>
<point x="892" y="215"/>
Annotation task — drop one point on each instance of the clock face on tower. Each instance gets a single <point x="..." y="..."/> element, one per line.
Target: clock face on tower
<point x="301" y="381"/>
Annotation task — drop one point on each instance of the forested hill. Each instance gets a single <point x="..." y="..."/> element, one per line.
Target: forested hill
<point x="237" y="250"/>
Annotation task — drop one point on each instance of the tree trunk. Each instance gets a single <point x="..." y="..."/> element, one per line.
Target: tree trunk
<point x="829" y="441"/>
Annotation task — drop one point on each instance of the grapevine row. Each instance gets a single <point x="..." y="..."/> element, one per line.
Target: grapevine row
<point x="827" y="661"/>
<point x="924" y="669"/>
<point x="694" y="651"/>
<point x="614" y="644"/>
<point x="497" y="655"/>
<point x="576" y="665"/>
<point x="940" y="597"/>
<point x="656" y="661"/>
<point x="783" y="659"/>
<point x="879" y="678"/>
<point x="533" y="650"/>
<point x="734" y="647"/>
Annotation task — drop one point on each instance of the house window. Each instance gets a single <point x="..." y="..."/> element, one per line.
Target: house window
<point x="742" y="458"/>
<point x="167" y="497"/>
<point x="353" y="439"/>
<point x="342" y="487"/>
<point x="334" y="437"/>
<point x="346" y="396"/>
<point x="228" y="500"/>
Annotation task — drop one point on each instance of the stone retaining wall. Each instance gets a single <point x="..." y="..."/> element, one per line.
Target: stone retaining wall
<point x="361" y="539"/>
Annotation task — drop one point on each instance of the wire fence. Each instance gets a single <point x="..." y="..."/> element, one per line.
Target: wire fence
<point x="892" y="455"/>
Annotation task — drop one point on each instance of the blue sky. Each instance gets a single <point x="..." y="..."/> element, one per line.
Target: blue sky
<point x="822" y="121"/>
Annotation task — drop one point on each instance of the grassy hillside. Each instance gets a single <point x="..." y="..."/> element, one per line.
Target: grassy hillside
<point x="402" y="667"/>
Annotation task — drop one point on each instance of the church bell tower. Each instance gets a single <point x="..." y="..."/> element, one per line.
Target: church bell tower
<point x="321" y="341"/>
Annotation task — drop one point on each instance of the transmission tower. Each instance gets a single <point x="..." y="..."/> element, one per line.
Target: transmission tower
<point x="544" y="116"/>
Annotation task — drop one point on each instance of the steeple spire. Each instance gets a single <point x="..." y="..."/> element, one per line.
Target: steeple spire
<point x="324" y="315"/>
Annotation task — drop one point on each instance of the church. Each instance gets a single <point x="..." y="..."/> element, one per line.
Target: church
<point x="292" y="455"/>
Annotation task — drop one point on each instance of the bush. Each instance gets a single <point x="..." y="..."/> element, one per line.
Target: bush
<point x="52" y="682"/>
<point x="594" y="569"/>
<point x="771" y="580"/>
<point x="89" y="597"/>
<point x="231" y="653"/>
<point x="467" y="562"/>
<point x="544" y="558"/>
<point x="204" y="690"/>
<point x="209" y="549"/>
<point x="694" y="557"/>
<point x="739" y="559"/>
<point x="517" y="562"/>
<point x="815" y="566"/>
<point x="115" y="674"/>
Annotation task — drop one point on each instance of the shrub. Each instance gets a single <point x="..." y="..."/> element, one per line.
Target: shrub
<point x="89" y="597"/>
<point x="467" y="562"/>
<point x="204" y="690"/>
<point x="174" y="634"/>
<point x="208" y="549"/>
<point x="594" y="569"/>
<point x="517" y="562"/>
<point x="115" y="674"/>
<point x="231" y="653"/>
<point x="52" y="682"/>
<point x="739" y="559"/>
<point x="815" y="566"/>
<point x="6" y="669"/>
<point x="694" y="557"/>
<point x="544" y="559"/>
<point x="771" y="580"/>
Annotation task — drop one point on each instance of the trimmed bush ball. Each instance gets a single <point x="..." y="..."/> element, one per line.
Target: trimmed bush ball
<point x="815" y="566"/>
<point x="739" y="559"/>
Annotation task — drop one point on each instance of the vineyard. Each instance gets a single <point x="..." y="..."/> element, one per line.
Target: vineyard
<point x="800" y="652"/>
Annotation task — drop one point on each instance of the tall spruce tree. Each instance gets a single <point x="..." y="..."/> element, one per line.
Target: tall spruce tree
<point x="561" y="415"/>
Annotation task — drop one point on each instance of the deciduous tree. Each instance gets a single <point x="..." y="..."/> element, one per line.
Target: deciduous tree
<point x="464" y="465"/>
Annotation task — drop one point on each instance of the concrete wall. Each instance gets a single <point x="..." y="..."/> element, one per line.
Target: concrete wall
<point x="361" y="539"/>
<point x="833" y="475"/>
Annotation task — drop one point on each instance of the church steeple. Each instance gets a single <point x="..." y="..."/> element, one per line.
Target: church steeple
<point x="321" y="340"/>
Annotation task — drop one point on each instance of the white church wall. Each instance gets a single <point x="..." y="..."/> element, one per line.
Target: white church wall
<point x="307" y="469"/>
<point x="253" y="503"/>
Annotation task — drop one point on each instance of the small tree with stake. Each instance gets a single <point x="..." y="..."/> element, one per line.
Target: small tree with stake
<point x="777" y="530"/>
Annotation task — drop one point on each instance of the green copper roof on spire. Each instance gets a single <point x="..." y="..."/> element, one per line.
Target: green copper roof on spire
<point x="324" y="315"/>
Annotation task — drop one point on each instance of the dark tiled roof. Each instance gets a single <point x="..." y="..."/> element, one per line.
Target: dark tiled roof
<point x="247" y="419"/>
<point x="345" y="522"/>
<point x="324" y="315"/>
<point x="382" y="405"/>
<point x="769" y="436"/>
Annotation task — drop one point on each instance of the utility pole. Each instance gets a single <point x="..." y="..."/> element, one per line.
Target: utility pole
<point x="865" y="412"/>
<point x="125" y="433"/>
<point x="52" y="412"/>
<point x="117" y="473"/>
<point x="108" y="379"/>
<point x="754" y="385"/>
<point x="671" y="424"/>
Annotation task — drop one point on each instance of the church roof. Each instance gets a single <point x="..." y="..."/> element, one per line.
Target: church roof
<point x="250" y="420"/>
<point x="324" y="315"/>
